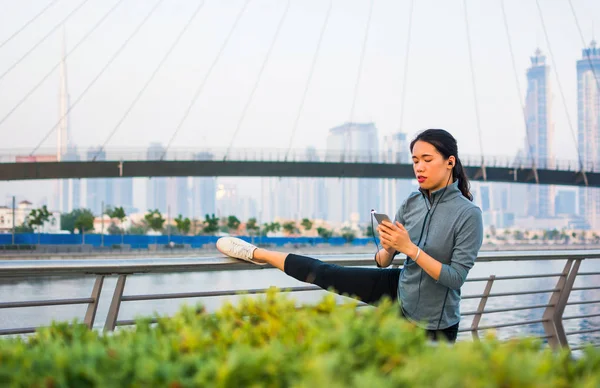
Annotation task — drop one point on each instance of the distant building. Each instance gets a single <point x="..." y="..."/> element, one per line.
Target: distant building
<point x="353" y="198"/>
<point x="156" y="189"/>
<point x="540" y="130"/>
<point x="203" y="192"/>
<point x="566" y="202"/>
<point x="588" y="128"/>
<point x="22" y="210"/>
<point x="395" y="149"/>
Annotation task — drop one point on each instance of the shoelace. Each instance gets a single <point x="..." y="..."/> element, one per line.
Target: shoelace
<point x="240" y="250"/>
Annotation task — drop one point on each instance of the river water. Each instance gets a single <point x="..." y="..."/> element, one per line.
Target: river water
<point x="56" y="288"/>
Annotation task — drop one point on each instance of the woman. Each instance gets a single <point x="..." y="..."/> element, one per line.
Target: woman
<point x="438" y="228"/>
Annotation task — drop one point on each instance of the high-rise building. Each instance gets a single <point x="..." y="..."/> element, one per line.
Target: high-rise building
<point x="351" y="199"/>
<point x="294" y="198"/>
<point x="588" y="127"/>
<point x="122" y="194"/>
<point x="312" y="203"/>
<point x="156" y="192"/>
<point x="540" y="132"/>
<point x="203" y="191"/>
<point x="68" y="191"/>
<point x="566" y="202"/>
<point x="395" y="149"/>
<point x="97" y="189"/>
<point x="178" y="196"/>
<point x="484" y="193"/>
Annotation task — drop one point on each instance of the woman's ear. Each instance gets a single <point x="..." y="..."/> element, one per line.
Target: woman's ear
<point x="451" y="162"/>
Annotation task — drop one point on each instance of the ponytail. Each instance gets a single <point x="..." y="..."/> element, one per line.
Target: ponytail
<point x="458" y="173"/>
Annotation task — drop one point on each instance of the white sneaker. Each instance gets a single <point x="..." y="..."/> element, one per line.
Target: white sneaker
<point x="237" y="248"/>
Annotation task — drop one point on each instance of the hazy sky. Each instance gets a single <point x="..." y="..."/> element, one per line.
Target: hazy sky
<point x="438" y="92"/>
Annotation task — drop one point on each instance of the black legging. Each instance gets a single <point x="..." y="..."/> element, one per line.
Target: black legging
<point x="367" y="284"/>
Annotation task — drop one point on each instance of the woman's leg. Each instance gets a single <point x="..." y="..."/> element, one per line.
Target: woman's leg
<point x="367" y="284"/>
<point x="276" y="259"/>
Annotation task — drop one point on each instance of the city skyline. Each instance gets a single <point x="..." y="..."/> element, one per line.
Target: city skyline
<point x="180" y="195"/>
<point x="431" y="86"/>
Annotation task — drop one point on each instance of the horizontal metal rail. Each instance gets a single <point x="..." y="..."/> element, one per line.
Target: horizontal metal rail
<point x="580" y="347"/>
<point x="583" y="331"/>
<point x="507" y="309"/>
<point x="552" y="317"/>
<point x="585" y="288"/>
<point x="581" y="316"/>
<point x="40" y="303"/>
<point x="37" y="268"/>
<point x="502" y="294"/>
<point x="204" y="294"/>
<point x="509" y="324"/>
<point x="19" y="330"/>
<point x="583" y="302"/>
<point x="516" y="277"/>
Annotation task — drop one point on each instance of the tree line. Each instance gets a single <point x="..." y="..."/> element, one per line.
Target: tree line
<point x="82" y="221"/>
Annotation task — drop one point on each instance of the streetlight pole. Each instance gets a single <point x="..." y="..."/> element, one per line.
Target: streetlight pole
<point x="102" y="225"/>
<point x="13" y="220"/>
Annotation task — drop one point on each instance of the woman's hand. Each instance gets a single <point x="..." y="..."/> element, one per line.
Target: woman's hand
<point x="395" y="236"/>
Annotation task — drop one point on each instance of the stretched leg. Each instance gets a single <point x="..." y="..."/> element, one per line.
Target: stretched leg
<point x="276" y="259"/>
<point x="367" y="284"/>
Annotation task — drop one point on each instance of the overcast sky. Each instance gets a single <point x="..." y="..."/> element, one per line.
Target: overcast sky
<point x="438" y="92"/>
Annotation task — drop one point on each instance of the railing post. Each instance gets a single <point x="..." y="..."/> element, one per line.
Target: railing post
<point x="113" y="311"/>
<point x="90" y="314"/>
<point x="481" y="307"/>
<point x="549" y="315"/>
<point x="562" y="303"/>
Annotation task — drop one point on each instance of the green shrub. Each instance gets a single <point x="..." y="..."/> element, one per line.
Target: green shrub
<point x="268" y="342"/>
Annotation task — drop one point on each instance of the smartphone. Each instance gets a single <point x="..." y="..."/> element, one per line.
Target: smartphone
<point x="380" y="217"/>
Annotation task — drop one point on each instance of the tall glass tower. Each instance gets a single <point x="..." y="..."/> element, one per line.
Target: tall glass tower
<point x="540" y="201"/>
<point x="588" y="127"/>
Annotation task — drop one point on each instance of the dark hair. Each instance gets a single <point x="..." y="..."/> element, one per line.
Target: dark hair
<point x="446" y="145"/>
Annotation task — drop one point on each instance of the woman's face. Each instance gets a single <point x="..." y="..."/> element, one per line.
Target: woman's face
<point x="431" y="169"/>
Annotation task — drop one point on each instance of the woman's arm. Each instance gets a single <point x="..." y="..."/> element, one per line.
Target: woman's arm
<point x="469" y="237"/>
<point x="430" y="265"/>
<point x="384" y="257"/>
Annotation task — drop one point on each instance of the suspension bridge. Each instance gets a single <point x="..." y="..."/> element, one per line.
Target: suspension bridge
<point x="534" y="165"/>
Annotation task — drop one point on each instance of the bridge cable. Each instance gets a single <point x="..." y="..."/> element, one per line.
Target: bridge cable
<point x="110" y="61"/>
<point x="358" y="75"/>
<point x="206" y="76"/>
<point x="474" y="86"/>
<point x="39" y="42"/>
<point x="519" y="90"/>
<point x="560" y="88"/>
<point x="49" y="73"/>
<point x="310" y="75"/>
<point x="406" y="57"/>
<point x="583" y="42"/>
<point x="258" y="77"/>
<point x="149" y="80"/>
<point x="24" y="26"/>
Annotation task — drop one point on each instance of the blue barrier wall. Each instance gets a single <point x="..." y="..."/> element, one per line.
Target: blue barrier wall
<point x="142" y="241"/>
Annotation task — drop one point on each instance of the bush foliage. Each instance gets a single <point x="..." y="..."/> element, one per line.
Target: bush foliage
<point x="269" y="342"/>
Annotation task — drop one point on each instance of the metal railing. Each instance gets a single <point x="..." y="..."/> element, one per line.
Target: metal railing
<point x="552" y="317"/>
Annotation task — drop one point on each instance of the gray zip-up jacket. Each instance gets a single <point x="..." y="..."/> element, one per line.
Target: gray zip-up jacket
<point x="449" y="228"/>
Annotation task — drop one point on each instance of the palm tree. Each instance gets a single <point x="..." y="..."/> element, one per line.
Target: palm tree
<point x="118" y="213"/>
<point x="183" y="225"/>
<point x="37" y="218"/>
<point x="306" y="224"/>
